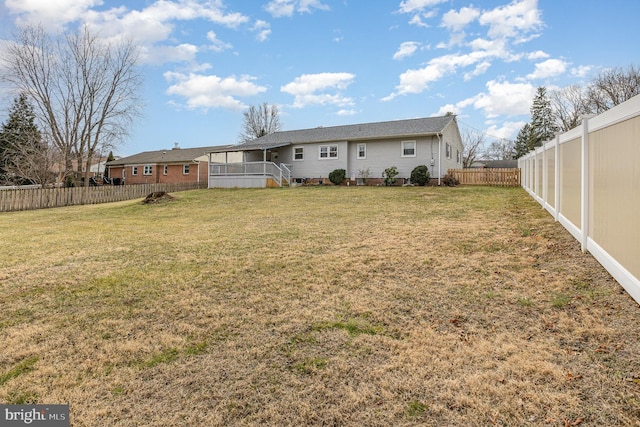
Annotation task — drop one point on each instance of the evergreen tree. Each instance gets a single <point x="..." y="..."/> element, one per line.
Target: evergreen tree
<point x="18" y="135"/>
<point x="110" y="158"/>
<point x="524" y="141"/>
<point x="543" y="119"/>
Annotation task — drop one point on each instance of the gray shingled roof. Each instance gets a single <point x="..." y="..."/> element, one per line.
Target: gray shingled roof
<point x="168" y="156"/>
<point x="364" y="131"/>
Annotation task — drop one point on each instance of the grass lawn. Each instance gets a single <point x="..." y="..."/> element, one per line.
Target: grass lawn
<point x="315" y="306"/>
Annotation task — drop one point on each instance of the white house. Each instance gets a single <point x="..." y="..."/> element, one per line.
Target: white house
<point x="311" y="154"/>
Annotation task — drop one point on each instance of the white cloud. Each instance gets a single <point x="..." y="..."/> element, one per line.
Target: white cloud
<point x="417" y="81"/>
<point x="148" y="27"/>
<point x="406" y="49"/>
<point x="411" y="6"/>
<point x="418" y="9"/>
<point x="263" y="29"/>
<point x="504" y="98"/>
<point x="162" y="54"/>
<point x="548" y="68"/>
<point x="279" y="8"/>
<point x="448" y="108"/>
<point x="217" y="45"/>
<point x="51" y="14"/>
<point x="514" y="20"/>
<point x="479" y="70"/>
<point x="581" y="70"/>
<point x="538" y="54"/>
<point x="456" y="21"/>
<point x="204" y="92"/>
<point x="349" y="112"/>
<point x="507" y="130"/>
<point x="306" y="87"/>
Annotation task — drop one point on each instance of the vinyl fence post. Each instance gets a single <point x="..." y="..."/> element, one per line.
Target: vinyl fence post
<point x="556" y="181"/>
<point x="584" y="216"/>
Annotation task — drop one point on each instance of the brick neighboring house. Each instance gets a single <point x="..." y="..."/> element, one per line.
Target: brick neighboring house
<point x="163" y="166"/>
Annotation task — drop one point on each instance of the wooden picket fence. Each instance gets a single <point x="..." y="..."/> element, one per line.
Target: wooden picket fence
<point x="40" y="198"/>
<point x="503" y="177"/>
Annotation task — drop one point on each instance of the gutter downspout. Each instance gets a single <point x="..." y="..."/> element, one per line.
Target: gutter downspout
<point x="439" y="157"/>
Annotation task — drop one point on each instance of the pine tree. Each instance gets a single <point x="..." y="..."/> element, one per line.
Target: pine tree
<point x="18" y="135"/>
<point x="524" y="141"/>
<point x="543" y="119"/>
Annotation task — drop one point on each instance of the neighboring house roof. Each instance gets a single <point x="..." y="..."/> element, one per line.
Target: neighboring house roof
<point x="176" y="155"/>
<point x="365" y="131"/>
<point x="493" y="164"/>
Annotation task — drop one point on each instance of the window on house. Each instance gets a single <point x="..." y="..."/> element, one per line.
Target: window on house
<point x="134" y="170"/>
<point x="408" y="148"/>
<point x="148" y="170"/>
<point x="448" y="150"/>
<point x="298" y="153"/>
<point x="458" y="156"/>
<point x="362" y="151"/>
<point x="328" y="152"/>
<point x="165" y="170"/>
<point x="185" y="169"/>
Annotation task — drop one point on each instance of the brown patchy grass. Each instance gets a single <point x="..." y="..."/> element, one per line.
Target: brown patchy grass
<point x="315" y="306"/>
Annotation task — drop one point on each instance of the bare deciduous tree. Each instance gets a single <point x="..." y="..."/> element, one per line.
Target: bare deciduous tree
<point x="85" y="89"/>
<point x="31" y="161"/>
<point x="472" y="144"/>
<point x="612" y="87"/>
<point x="569" y="104"/>
<point x="502" y="149"/>
<point x="260" y="121"/>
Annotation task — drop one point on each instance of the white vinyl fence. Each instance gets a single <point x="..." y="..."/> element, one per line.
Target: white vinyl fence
<point x="589" y="180"/>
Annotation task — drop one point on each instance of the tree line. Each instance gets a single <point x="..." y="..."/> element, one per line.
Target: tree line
<point x="77" y="95"/>
<point x="557" y="111"/>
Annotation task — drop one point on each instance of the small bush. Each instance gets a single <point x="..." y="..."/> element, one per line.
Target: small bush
<point x="389" y="175"/>
<point x="450" y="180"/>
<point x="420" y="175"/>
<point x="337" y="176"/>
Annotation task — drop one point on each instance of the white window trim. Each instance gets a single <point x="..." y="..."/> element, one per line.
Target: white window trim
<point x="144" y="170"/>
<point x="183" y="169"/>
<point x="358" y="151"/>
<point x="134" y="170"/>
<point x="415" y="149"/>
<point x="448" y="150"/>
<point x="328" y="152"/>
<point x="294" y="153"/>
<point x="165" y="169"/>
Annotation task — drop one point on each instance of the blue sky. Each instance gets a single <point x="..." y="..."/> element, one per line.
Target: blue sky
<point x="333" y="62"/>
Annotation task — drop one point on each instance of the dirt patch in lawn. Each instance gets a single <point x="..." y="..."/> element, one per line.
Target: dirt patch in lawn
<point x="315" y="306"/>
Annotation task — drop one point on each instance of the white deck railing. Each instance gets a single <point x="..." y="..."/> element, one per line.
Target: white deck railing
<point x="280" y="174"/>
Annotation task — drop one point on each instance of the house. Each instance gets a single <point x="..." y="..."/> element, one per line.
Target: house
<point x="309" y="155"/>
<point x="176" y="165"/>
